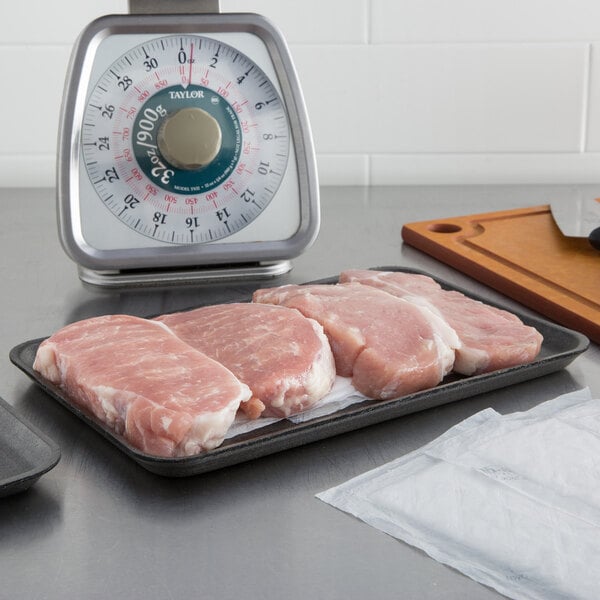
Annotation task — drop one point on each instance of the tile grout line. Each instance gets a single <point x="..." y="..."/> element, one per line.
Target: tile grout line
<point x="369" y="38"/>
<point x="585" y="113"/>
<point x="369" y="21"/>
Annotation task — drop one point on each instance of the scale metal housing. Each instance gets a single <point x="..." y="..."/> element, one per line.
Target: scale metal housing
<point x="185" y="151"/>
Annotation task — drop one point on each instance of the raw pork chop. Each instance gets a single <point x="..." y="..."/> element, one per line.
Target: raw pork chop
<point x="137" y="377"/>
<point x="389" y="346"/>
<point x="281" y="355"/>
<point x="491" y="338"/>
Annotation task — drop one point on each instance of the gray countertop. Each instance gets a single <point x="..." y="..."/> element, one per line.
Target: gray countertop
<point x="99" y="526"/>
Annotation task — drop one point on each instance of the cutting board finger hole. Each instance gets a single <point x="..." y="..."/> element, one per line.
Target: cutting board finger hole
<point x="444" y="228"/>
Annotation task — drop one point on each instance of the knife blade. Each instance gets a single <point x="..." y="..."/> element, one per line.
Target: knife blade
<point x="578" y="217"/>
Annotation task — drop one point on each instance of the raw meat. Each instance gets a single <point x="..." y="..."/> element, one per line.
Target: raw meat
<point x="389" y="346"/>
<point x="281" y="355"/>
<point x="491" y="338"/>
<point x="163" y="396"/>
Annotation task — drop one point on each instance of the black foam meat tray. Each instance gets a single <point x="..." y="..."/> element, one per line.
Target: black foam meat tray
<point x="559" y="348"/>
<point x="25" y="453"/>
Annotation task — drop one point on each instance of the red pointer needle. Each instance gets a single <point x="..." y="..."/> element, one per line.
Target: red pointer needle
<point x="191" y="61"/>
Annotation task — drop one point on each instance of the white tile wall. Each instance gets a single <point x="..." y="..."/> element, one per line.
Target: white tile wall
<point x="398" y="91"/>
<point x="486" y="21"/>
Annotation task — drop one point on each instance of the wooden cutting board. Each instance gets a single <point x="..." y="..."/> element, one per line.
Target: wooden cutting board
<point x="523" y="254"/>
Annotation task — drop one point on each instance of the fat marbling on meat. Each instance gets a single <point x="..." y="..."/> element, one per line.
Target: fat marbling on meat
<point x="163" y="396"/>
<point x="491" y="338"/>
<point x="281" y="355"/>
<point x="388" y="346"/>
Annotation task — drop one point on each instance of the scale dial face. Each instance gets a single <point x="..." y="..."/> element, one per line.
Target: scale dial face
<point x="184" y="141"/>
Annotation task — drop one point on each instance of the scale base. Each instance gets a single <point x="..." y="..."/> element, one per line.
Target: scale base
<point x="182" y="276"/>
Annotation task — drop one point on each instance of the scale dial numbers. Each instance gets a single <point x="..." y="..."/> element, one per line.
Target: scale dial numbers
<point x="185" y="139"/>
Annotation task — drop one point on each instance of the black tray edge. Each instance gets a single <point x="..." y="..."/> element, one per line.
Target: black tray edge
<point x="23" y="481"/>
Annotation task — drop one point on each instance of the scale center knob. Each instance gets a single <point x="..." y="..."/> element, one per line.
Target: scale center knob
<point x="190" y="138"/>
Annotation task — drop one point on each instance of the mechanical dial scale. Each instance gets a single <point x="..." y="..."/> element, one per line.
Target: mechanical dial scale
<point x="185" y="150"/>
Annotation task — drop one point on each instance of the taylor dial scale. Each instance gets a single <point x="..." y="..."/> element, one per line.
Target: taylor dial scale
<point x="185" y="150"/>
